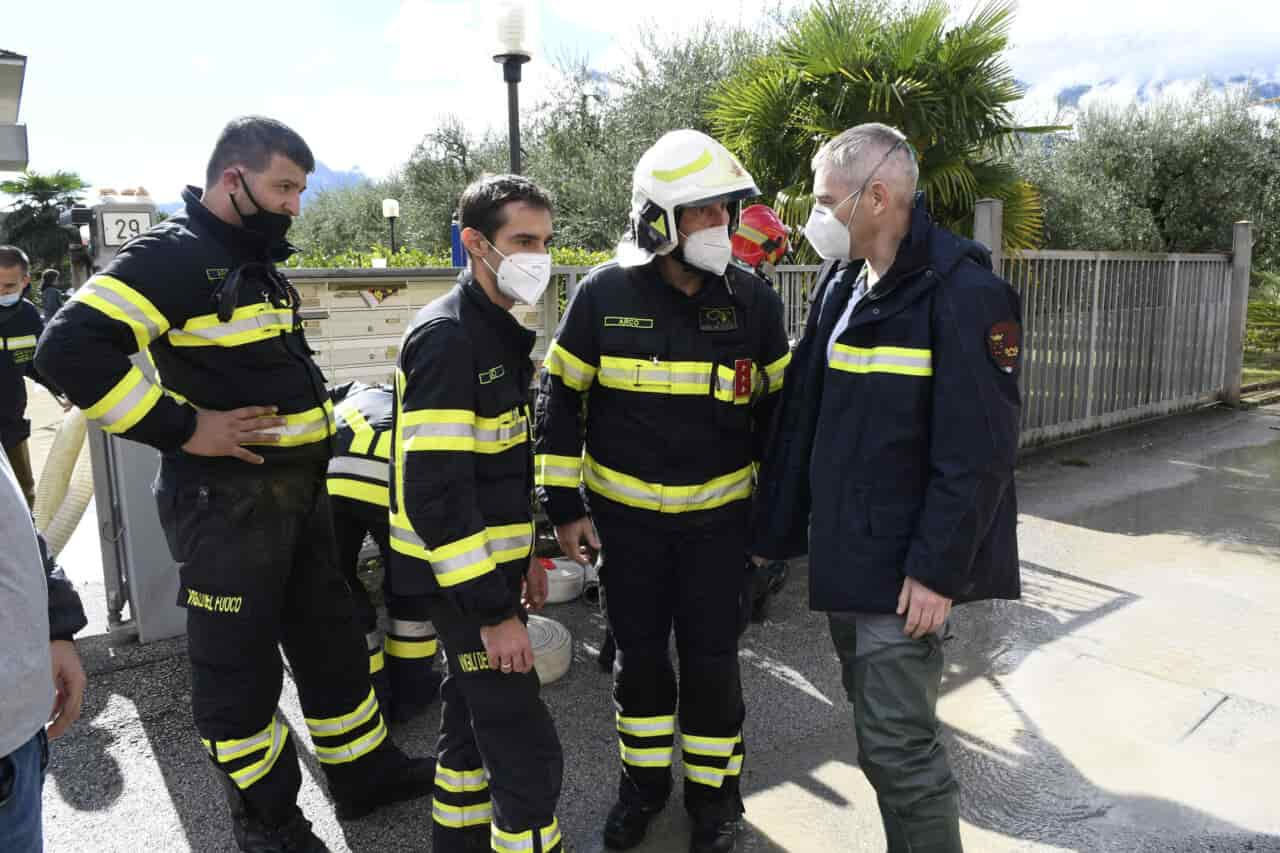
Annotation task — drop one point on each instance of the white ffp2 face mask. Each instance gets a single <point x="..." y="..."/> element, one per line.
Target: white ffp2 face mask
<point x="709" y="249"/>
<point x="522" y="276"/>
<point x="827" y="234"/>
<point x="10" y="299"/>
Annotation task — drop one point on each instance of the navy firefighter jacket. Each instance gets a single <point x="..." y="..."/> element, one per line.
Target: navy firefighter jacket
<point x="894" y="447"/>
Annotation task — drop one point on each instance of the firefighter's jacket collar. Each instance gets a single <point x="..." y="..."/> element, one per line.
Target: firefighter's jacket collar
<point x="233" y="237"/>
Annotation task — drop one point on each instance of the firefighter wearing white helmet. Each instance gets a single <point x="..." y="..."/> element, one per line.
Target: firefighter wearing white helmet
<point x="683" y="356"/>
<point x="684" y="169"/>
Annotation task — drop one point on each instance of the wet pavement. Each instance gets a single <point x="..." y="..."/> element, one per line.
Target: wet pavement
<point x="1129" y="702"/>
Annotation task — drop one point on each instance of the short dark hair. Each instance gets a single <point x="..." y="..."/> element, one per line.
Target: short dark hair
<point x="12" y="256"/>
<point x="483" y="203"/>
<point x="49" y="278"/>
<point x="250" y="141"/>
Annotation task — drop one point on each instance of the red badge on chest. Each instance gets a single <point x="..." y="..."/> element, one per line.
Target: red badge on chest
<point x="742" y="379"/>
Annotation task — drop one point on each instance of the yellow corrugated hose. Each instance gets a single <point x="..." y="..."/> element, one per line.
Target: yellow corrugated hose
<point x="66" y="482"/>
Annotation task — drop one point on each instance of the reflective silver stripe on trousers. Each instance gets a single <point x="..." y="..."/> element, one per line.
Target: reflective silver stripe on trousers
<point x="707" y="746"/>
<point x="663" y="727"/>
<point x="462" y="778"/>
<point x="405" y="628"/>
<point x="246" y="746"/>
<point x="362" y="714"/>
<point x="466" y="815"/>
<point x="133" y="312"/>
<point x="131" y="401"/>
<point x="373" y="641"/>
<point x="236" y="327"/>
<point x="714" y="778"/>
<point x="514" y="845"/>
<point x="354" y="466"/>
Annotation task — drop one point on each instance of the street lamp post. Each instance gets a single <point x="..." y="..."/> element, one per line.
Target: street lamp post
<point x="391" y="212"/>
<point x="513" y="52"/>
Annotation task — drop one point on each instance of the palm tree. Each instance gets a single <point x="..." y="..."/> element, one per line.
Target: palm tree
<point x="845" y="62"/>
<point x="33" y="224"/>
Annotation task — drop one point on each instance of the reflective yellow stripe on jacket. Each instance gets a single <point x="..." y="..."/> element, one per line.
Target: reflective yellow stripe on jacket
<point x="552" y="470"/>
<point x="120" y="302"/>
<point x="249" y="324"/>
<point x="463" y="430"/>
<point x="570" y="369"/>
<point x="634" y="492"/>
<point x="125" y="404"/>
<point x="305" y="427"/>
<point x="467" y="558"/>
<point x="903" y="361"/>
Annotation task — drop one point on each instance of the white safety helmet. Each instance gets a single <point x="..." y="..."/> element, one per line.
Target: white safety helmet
<point x="685" y="168"/>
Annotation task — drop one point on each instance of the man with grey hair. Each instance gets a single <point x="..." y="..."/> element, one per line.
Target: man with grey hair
<point x="891" y="463"/>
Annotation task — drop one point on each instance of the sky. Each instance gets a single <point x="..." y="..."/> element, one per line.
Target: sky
<point x="137" y="97"/>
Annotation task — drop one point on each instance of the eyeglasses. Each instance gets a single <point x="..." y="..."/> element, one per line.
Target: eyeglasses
<point x="901" y="143"/>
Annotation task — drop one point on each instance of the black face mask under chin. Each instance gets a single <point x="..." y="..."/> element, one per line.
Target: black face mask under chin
<point x="272" y="226"/>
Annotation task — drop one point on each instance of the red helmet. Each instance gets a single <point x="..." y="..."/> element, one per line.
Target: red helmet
<point x="761" y="237"/>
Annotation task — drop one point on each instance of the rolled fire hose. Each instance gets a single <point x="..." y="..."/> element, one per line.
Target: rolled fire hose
<point x="564" y="580"/>
<point x="55" y="477"/>
<point x="79" y="492"/>
<point x="552" y="648"/>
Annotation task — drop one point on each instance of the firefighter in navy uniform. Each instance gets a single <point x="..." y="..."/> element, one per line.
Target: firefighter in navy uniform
<point x="682" y="356"/>
<point x="892" y="462"/>
<point x="20" y="328"/>
<point x="245" y="428"/>
<point x="462" y="524"/>
<point x="401" y="666"/>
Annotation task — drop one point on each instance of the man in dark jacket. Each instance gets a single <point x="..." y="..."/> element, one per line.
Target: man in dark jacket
<point x="52" y="296"/>
<point x="892" y="461"/>
<point x="245" y="426"/>
<point x="402" y="673"/>
<point x="20" y="328"/>
<point x="39" y="668"/>
<point x="462" y="525"/>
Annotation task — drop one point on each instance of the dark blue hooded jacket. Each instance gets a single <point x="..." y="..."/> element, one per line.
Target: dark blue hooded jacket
<point x="896" y="457"/>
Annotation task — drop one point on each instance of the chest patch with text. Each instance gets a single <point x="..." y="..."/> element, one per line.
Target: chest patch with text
<point x="628" y="322"/>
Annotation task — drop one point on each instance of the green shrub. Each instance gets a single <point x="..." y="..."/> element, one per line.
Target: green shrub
<point x="416" y="258"/>
<point x="1262" y="333"/>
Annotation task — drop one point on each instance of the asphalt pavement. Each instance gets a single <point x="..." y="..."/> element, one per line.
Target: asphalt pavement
<point x="1129" y="702"/>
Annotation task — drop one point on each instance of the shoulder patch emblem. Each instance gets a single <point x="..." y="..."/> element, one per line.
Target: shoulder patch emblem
<point x="1004" y="345"/>
<point x="217" y="274"/>
<point x="493" y="374"/>
<point x="628" y="322"/>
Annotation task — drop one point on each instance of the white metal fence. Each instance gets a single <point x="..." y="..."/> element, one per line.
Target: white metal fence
<point x="1107" y="337"/>
<point x="1110" y="338"/>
